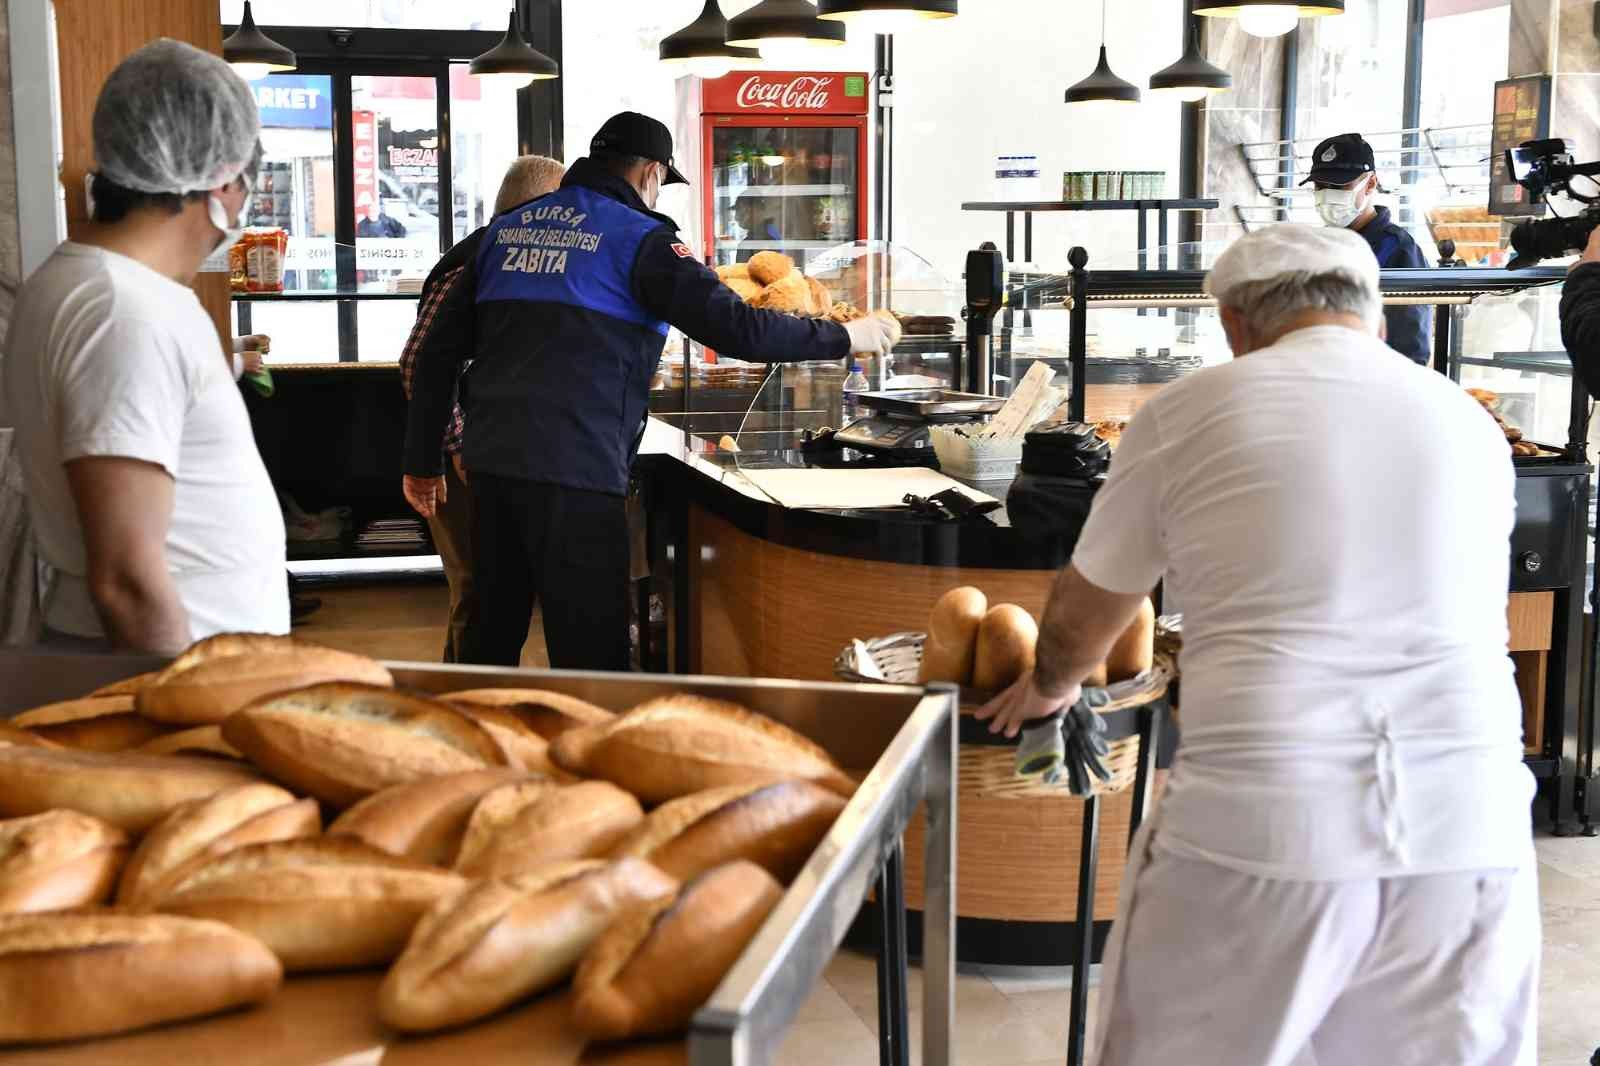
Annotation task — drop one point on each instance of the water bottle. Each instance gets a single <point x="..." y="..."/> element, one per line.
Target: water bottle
<point x="854" y="384"/>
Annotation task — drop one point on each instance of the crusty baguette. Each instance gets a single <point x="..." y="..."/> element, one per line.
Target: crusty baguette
<point x="128" y="686"/>
<point x="318" y="904"/>
<point x="423" y="820"/>
<point x="10" y="734"/>
<point x="548" y="714"/>
<point x="526" y="750"/>
<point x="341" y="741"/>
<point x="675" y="745"/>
<point x="72" y="711"/>
<point x="953" y="636"/>
<point x="1007" y="642"/>
<point x="201" y="740"/>
<point x="212" y="689"/>
<point x="269" y="812"/>
<point x="70" y="976"/>
<point x="776" y="826"/>
<point x="506" y="939"/>
<point x="129" y="790"/>
<point x="98" y="723"/>
<point x="56" y="860"/>
<point x="223" y="646"/>
<point x="660" y="961"/>
<point x="517" y="830"/>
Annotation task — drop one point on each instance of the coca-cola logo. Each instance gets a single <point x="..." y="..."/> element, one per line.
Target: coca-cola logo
<point x="806" y="92"/>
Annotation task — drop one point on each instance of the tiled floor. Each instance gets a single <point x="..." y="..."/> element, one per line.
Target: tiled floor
<point x="1019" y="1018"/>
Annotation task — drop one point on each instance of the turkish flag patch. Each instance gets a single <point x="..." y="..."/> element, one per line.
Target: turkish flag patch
<point x="683" y="251"/>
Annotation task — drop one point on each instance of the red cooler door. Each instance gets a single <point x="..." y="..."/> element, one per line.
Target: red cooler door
<point x="793" y="188"/>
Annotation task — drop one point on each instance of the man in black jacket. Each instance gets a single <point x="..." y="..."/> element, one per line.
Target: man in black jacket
<point x="1345" y="175"/>
<point x="563" y="321"/>
<point x="1580" y="315"/>
<point x="527" y="178"/>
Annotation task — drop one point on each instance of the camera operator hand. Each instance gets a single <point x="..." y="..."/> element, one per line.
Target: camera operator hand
<point x="1580" y="315"/>
<point x="1591" y="251"/>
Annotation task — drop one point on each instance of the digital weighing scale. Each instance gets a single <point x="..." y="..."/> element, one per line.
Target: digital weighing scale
<point x="898" y="428"/>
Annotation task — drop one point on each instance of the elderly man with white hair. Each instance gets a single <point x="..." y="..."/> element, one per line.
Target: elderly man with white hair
<point x="1340" y="870"/>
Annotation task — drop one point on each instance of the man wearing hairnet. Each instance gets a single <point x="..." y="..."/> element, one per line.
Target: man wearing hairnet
<point x="147" y="494"/>
<point x="1341" y="869"/>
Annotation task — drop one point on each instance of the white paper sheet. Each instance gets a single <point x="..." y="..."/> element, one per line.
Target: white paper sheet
<point x="854" y="488"/>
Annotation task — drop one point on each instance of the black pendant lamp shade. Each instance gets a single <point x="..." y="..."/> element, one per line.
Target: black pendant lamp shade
<point x="515" y="56"/>
<point x="1103" y="85"/>
<point x="783" y="20"/>
<point x="704" y="38"/>
<point x="885" y="10"/>
<point x="247" y="47"/>
<point x="1303" y="9"/>
<point x="1192" y="74"/>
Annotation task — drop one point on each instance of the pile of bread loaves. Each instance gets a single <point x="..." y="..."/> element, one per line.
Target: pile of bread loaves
<point x="1490" y="402"/>
<point x="163" y="856"/>
<point x="771" y="280"/>
<point x="988" y="648"/>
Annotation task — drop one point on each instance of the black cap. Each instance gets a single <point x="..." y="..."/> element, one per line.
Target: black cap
<point x="630" y="133"/>
<point x="1341" y="160"/>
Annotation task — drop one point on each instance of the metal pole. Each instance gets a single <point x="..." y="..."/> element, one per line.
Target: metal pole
<point x="883" y="138"/>
<point x="1289" y="120"/>
<point x="1411" y="102"/>
<point x="1083" y="950"/>
<point x="1078" y="335"/>
<point x="939" y="891"/>
<point x="894" y="1020"/>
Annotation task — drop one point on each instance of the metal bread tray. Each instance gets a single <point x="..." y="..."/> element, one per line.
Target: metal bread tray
<point x="929" y="403"/>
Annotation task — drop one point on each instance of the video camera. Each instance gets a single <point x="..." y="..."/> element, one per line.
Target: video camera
<point x="1542" y="167"/>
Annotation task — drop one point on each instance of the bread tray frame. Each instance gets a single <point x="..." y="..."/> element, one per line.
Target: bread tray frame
<point x="906" y="734"/>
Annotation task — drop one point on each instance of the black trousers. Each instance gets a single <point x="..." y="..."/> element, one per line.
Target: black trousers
<point x="564" y="549"/>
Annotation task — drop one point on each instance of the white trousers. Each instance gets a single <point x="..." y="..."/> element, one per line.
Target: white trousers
<point x="1218" y="967"/>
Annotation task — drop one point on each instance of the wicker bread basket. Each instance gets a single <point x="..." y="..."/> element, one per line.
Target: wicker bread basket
<point x="987" y="763"/>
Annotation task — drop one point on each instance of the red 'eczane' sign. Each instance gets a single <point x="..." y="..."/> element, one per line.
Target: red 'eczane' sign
<point x="779" y="92"/>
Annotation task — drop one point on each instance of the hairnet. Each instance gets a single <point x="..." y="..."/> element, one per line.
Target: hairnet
<point x="1288" y="248"/>
<point x="174" y="119"/>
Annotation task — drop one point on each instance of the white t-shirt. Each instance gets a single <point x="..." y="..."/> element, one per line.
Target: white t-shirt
<point x="1333" y="521"/>
<point x="107" y="357"/>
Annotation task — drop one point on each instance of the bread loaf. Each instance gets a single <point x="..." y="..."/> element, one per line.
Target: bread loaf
<point x="766" y="267"/>
<point x="105" y="723"/>
<point x="789" y="293"/>
<point x="821" y="299"/>
<point x="1007" y="640"/>
<point x="525" y="750"/>
<point x="244" y="814"/>
<point x="775" y="826"/>
<point x="223" y="646"/>
<point x="675" y="745"/>
<point x="1135" y="650"/>
<point x="424" y="820"/>
<point x="201" y="740"/>
<point x="128" y="686"/>
<point x="213" y="688"/>
<point x="506" y="939"/>
<point x="342" y="741"/>
<point x="733" y="270"/>
<point x="332" y="908"/>
<point x="548" y="714"/>
<point x="660" y="961"/>
<point x="657" y="1053"/>
<point x="744" y="288"/>
<point x="952" y="642"/>
<point x="70" y="976"/>
<point x="131" y="791"/>
<point x="10" y="734"/>
<point x="519" y="828"/>
<point x="56" y="860"/>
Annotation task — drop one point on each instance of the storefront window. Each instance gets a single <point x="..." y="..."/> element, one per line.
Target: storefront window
<point x="483" y="123"/>
<point x="394" y="131"/>
<point x="386" y="14"/>
<point x="1352" y="71"/>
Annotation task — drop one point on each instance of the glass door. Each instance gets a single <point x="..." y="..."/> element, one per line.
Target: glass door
<point x="784" y="188"/>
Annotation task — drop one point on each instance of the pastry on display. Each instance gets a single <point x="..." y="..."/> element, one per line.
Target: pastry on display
<point x="775" y="826"/>
<point x="221" y="674"/>
<point x="767" y="267"/>
<point x="341" y="742"/>
<point x="1490" y="402"/>
<point x="71" y="976"/>
<point x="319" y="904"/>
<point x="519" y="828"/>
<point x="506" y="939"/>
<point x="1110" y="431"/>
<point x="130" y="790"/>
<point x="674" y="745"/>
<point x="205" y="829"/>
<point x="424" y="820"/>
<point x="660" y="961"/>
<point x="57" y="860"/>
<point x="103" y="723"/>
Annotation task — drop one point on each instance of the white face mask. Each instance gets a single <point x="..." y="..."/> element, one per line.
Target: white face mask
<point x="217" y="212"/>
<point x="1340" y="207"/>
<point x="652" y="186"/>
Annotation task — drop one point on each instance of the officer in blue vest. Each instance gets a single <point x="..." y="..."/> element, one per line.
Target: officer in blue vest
<point x="1346" y="181"/>
<point x="561" y="318"/>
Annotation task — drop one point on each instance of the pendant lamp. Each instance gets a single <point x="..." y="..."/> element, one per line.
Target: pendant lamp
<point x="1268" y="18"/>
<point x="514" y="61"/>
<point x="885" y="16"/>
<point x="252" y="53"/>
<point x="1191" y="78"/>
<point x="1102" y="85"/>
<point x="701" y="48"/>
<point x="784" y="31"/>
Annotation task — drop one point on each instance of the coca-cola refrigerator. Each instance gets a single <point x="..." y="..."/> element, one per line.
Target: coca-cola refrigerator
<point x="780" y="162"/>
